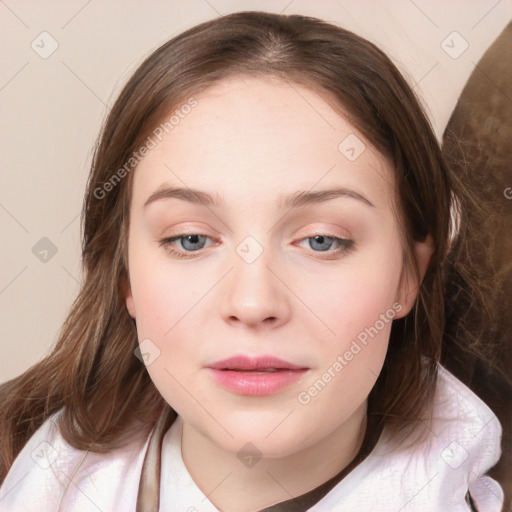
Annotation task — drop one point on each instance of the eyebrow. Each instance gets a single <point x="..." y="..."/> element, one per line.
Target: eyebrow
<point x="295" y="200"/>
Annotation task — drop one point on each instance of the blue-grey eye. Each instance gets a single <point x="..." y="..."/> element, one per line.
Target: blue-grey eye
<point x="321" y="243"/>
<point x="192" y="242"/>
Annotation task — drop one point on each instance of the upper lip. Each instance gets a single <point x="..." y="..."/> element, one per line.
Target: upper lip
<point x="242" y="362"/>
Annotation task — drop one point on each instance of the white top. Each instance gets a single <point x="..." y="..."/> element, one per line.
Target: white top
<point x="49" y="475"/>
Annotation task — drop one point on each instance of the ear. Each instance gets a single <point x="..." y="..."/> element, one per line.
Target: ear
<point x="409" y="285"/>
<point x="126" y="291"/>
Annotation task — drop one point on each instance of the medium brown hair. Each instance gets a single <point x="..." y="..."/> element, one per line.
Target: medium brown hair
<point x="92" y="373"/>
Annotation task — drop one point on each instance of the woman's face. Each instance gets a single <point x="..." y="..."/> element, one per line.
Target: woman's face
<point x="288" y="249"/>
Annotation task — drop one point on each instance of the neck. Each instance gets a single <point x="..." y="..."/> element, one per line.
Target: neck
<point x="230" y="485"/>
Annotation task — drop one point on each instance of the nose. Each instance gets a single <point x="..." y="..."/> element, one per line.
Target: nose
<point x="254" y="294"/>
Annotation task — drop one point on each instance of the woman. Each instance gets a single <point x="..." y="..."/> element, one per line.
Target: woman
<point x="291" y="361"/>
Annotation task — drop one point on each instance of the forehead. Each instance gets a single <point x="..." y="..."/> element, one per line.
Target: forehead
<point x="248" y="134"/>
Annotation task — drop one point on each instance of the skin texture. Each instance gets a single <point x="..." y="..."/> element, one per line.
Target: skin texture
<point x="251" y="141"/>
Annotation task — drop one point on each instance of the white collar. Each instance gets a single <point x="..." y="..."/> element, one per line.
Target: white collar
<point x="178" y="491"/>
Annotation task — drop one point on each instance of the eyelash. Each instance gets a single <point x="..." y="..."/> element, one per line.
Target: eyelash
<point x="345" y="245"/>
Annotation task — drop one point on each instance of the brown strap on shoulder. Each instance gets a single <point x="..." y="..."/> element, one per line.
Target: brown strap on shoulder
<point x="148" y="498"/>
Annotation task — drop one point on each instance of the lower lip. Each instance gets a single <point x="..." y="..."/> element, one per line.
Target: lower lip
<point x="256" y="384"/>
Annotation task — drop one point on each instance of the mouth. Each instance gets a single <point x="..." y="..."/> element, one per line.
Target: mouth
<point x="243" y="363"/>
<point x="260" y="376"/>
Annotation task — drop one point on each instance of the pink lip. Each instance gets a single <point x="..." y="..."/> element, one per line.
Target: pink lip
<point x="240" y="374"/>
<point x="242" y="362"/>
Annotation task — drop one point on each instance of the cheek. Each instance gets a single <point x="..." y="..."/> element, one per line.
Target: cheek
<point x="166" y="301"/>
<point x="357" y="297"/>
<point x="351" y="357"/>
<point x="163" y="293"/>
<point x="359" y="306"/>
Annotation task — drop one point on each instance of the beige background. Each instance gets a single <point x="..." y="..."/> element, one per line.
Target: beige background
<point x="52" y="109"/>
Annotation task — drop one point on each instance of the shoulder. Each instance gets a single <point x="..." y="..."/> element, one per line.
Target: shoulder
<point x="462" y="443"/>
<point x="466" y="436"/>
<point x="51" y="475"/>
<point x="459" y="414"/>
<point x="435" y="471"/>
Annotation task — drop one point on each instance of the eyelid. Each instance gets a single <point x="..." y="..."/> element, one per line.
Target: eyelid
<point x="345" y="245"/>
<point x="181" y="254"/>
<point x="323" y="230"/>
<point x="183" y="234"/>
